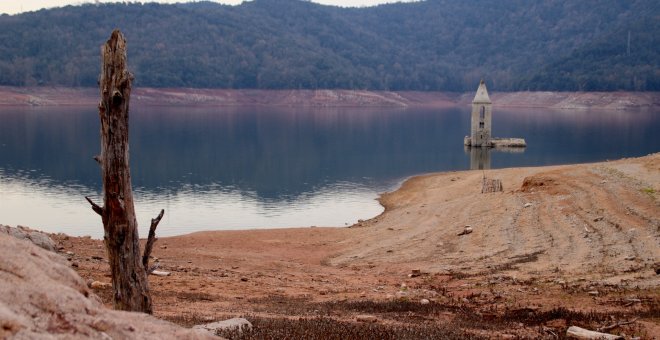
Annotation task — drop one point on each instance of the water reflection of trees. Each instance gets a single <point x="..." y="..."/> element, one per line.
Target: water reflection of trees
<point x="282" y="154"/>
<point x="275" y="154"/>
<point x="287" y="153"/>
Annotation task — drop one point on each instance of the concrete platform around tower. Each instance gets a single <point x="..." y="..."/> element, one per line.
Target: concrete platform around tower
<point x="500" y="142"/>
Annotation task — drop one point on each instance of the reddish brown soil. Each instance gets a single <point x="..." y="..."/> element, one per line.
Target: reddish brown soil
<point x="561" y="246"/>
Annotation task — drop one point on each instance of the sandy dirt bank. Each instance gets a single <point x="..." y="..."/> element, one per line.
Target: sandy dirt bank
<point x="560" y="246"/>
<point x="56" y="96"/>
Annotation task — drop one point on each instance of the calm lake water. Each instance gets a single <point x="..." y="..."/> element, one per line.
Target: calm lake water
<point x="223" y="168"/>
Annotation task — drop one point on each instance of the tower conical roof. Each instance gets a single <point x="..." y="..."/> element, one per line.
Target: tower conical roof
<point x="482" y="94"/>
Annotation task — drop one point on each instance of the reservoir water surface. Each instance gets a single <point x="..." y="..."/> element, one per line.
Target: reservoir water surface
<point x="229" y="168"/>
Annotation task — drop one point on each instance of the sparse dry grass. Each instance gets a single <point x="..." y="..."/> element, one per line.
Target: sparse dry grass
<point x="329" y="329"/>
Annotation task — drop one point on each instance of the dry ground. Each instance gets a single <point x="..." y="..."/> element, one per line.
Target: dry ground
<point x="561" y="246"/>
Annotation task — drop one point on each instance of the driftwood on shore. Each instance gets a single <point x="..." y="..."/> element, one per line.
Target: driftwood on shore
<point x="127" y="266"/>
<point x="581" y="333"/>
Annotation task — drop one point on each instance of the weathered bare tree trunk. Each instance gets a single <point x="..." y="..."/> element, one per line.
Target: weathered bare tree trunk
<point x="128" y="268"/>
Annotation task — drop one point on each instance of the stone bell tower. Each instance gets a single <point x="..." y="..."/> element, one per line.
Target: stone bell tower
<point x="482" y="111"/>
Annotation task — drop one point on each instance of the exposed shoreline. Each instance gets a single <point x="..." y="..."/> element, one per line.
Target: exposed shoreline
<point x="61" y="96"/>
<point x="577" y="238"/>
<point x="562" y="245"/>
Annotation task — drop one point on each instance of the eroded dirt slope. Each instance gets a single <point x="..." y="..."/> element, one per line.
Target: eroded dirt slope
<point x="593" y="220"/>
<point x="561" y="246"/>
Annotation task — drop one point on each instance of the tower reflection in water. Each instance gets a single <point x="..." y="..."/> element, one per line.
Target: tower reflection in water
<point x="480" y="157"/>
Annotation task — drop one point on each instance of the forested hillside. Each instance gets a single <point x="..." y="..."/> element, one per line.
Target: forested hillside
<point x="288" y="44"/>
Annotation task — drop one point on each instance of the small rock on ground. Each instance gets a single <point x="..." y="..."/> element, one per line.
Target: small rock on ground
<point x="366" y="318"/>
<point x="99" y="285"/>
<point x="37" y="237"/>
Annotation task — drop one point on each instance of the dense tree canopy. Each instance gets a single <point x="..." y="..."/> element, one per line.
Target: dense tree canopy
<point x="430" y="45"/>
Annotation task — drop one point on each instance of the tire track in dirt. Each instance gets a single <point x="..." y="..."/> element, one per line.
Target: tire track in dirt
<point x="578" y="224"/>
<point x="621" y="248"/>
<point x="636" y="217"/>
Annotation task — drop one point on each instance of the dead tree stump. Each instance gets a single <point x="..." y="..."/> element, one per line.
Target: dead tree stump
<point x="127" y="266"/>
